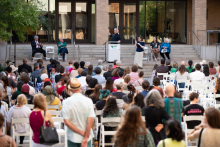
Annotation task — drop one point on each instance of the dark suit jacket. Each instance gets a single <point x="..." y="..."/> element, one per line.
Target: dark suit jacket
<point x="28" y="67"/>
<point x="33" y="44"/>
<point x="161" y="69"/>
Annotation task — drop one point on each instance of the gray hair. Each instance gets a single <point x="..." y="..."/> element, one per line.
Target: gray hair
<point x="168" y="41"/>
<point x="35" y="36"/>
<point x="118" y="63"/>
<point x="105" y="68"/>
<point x="110" y="67"/>
<point x="154" y="97"/>
<point x="100" y="62"/>
<point x="115" y="29"/>
<point x="87" y="64"/>
<point x="36" y="65"/>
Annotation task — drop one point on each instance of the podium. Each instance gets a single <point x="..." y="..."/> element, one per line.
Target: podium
<point x="114" y="51"/>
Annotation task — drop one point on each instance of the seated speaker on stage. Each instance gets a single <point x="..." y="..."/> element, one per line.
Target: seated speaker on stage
<point x="115" y="36"/>
<point x="37" y="48"/>
<point x="62" y="50"/>
<point x="165" y="49"/>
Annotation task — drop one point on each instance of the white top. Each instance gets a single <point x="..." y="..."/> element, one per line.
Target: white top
<point x="197" y="76"/>
<point x="37" y="46"/>
<point x="117" y="81"/>
<point x="101" y="79"/>
<point x="185" y="76"/>
<point x="32" y="90"/>
<point x="19" y="112"/>
<point x="74" y="73"/>
<point x="82" y="81"/>
<point x="3" y="111"/>
<point x="77" y="109"/>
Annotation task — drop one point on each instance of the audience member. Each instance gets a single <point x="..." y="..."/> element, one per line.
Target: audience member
<point x="140" y="80"/>
<point x="120" y="80"/>
<point x="25" y="90"/>
<point x="114" y="64"/>
<point x="95" y="95"/>
<point x="86" y="66"/>
<point x="101" y="79"/>
<point x="92" y="83"/>
<point x="217" y="89"/>
<point x="6" y="141"/>
<point x="60" y="76"/>
<point x="119" y="94"/>
<point x="133" y="132"/>
<point x="60" y="90"/>
<point x="90" y="71"/>
<point x="129" y="101"/>
<point x="66" y="93"/>
<point x="154" y="113"/>
<point x="190" y="68"/>
<point x="25" y="78"/>
<point x="209" y="131"/>
<point x="43" y="71"/>
<point x="118" y="65"/>
<point x="82" y="65"/>
<point x="50" y="98"/>
<point x="178" y="94"/>
<point x="182" y="74"/>
<point x="115" y="74"/>
<point x="82" y="79"/>
<point x="183" y="63"/>
<point x="109" y="85"/>
<point x="24" y="65"/>
<point x="99" y="64"/>
<point x="154" y="70"/>
<point x="217" y="68"/>
<point x="156" y="84"/>
<point x="109" y="72"/>
<point x="168" y="64"/>
<point x="3" y="109"/>
<point x="193" y="109"/>
<point x="174" y="67"/>
<point x="134" y="74"/>
<point x="139" y="101"/>
<point x="86" y="87"/>
<point x="19" y="111"/>
<point x="7" y="90"/>
<point x="162" y="68"/>
<point x="55" y="73"/>
<point x="17" y="93"/>
<point x="127" y="71"/>
<point x="40" y="85"/>
<point x="69" y="67"/>
<point x="212" y="70"/>
<point x="79" y="72"/>
<point x="11" y="74"/>
<point x="206" y="71"/>
<point x="173" y="106"/>
<point x="36" y="72"/>
<point x="74" y="73"/>
<point x="174" y="134"/>
<point x="37" y="118"/>
<point x="47" y="83"/>
<point x="49" y="67"/>
<point x="102" y="99"/>
<point x="127" y="79"/>
<point x="197" y="75"/>
<point x="145" y="86"/>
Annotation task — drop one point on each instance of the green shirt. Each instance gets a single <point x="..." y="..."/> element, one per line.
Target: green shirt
<point x="171" y="143"/>
<point x="190" y="69"/>
<point x="59" y="47"/>
<point x="173" y="70"/>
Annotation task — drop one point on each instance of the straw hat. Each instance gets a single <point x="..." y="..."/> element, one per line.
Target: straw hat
<point x="13" y="68"/>
<point x="74" y="84"/>
<point x="203" y="62"/>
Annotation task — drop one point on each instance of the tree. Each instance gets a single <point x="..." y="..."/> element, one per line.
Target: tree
<point x="18" y="15"/>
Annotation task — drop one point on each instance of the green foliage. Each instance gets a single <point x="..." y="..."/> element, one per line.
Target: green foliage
<point x="2" y="68"/>
<point x="18" y="15"/>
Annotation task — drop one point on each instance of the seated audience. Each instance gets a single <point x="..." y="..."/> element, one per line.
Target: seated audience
<point x="178" y="94"/>
<point x="132" y="131"/>
<point x="155" y="113"/>
<point x="40" y="85"/>
<point x="190" y="68"/>
<point x="50" y="67"/>
<point x="115" y="74"/>
<point x="127" y="79"/>
<point x="182" y="74"/>
<point x="162" y="69"/>
<point x="120" y="80"/>
<point x="66" y="93"/>
<point x="43" y="71"/>
<point x="114" y="64"/>
<point x="145" y="86"/>
<point x="139" y="101"/>
<point x="86" y="66"/>
<point x="90" y="71"/>
<point x="24" y="66"/>
<point x="101" y="79"/>
<point x="79" y="72"/>
<point x="174" y="134"/>
<point x="25" y="90"/>
<point x="154" y="70"/>
<point x="60" y="76"/>
<point x="7" y="90"/>
<point x="86" y="87"/>
<point x="168" y="64"/>
<point x="184" y="64"/>
<point x="11" y="74"/>
<point x="47" y="83"/>
<point x="212" y="70"/>
<point x="69" y="67"/>
<point x="82" y="79"/>
<point x="156" y="84"/>
<point x="217" y="89"/>
<point x="197" y="75"/>
<point x="25" y="78"/>
<point x="50" y="98"/>
<point x="6" y="141"/>
<point x="174" y="67"/>
<point x="129" y="102"/>
<point x="36" y="72"/>
<point x="99" y="64"/>
<point x="140" y="80"/>
<point x="95" y="95"/>
<point x="17" y="93"/>
<point x="134" y="74"/>
<point x="109" y="72"/>
<point x="55" y="72"/>
<point x="206" y="70"/>
<point x="118" y="66"/>
<point x="173" y="106"/>
<point x="209" y="131"/>
<point x="104" y="94"/>
<point x="109" y="85"/>
<point x="2" y="108"/>
<point x="92" y="83"/>
<point x="119" y="94"/>
<point x="82" y="65"/>
<point x="127" y="71"/>
<point x="60" y="90"/>
<point x="74" y="72"/>
<point x="19" y="111"/>
<point x="193" y="109"/>
<point x="37" y="118"/>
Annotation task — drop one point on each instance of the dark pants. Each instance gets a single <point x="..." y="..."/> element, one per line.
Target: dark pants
<point x="167" y="54"/>
<point x="64" y="51"/>
<point x="72" y="144"/>
<point x="21" y="139"/>
<point x="38" y="50"/>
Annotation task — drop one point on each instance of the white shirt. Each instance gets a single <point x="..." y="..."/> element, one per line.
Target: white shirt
<point x="37" y="46"/>
<point x="32" y="90"/>
<point x="117" y="81"/>
<point x="77" y="109"/>
<point x="19" y="112"/>
<point x="82" y="81"/>
<point x="3" y="111"/>
<point x="197" y="76"/>
<point x="185" y="76"/>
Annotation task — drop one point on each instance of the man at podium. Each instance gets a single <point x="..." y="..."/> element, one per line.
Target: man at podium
<point x="115" y="36"/>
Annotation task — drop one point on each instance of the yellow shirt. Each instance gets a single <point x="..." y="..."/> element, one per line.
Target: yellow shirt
<point x="56" y="102"/>
<point x="171" y="143"/>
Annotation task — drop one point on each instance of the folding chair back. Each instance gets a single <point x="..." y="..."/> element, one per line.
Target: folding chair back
<point x="53" y="107"/>
<point x="31" y="106"/>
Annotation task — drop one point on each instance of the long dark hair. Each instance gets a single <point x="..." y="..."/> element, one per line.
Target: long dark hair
<point x="95" y="95"/>
<point x="206" y="70"/>
<point x="182" y="69"/>
<point x="131" y="88"/>
<point x="190" y="62"/>
<point x="139" y="100"/>
<point x="109" y="84"/>
<point x="175" y="130"/>
<point x="111" y="107"/>
<point x="6" y="82"/>
<point x="90" y="69"/>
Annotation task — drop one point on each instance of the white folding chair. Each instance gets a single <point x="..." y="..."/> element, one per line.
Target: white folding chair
<point x="120" y="105"/>
<point x="103" y="133"/>
<point x="16" y="134"/>
<point x="187" y="131"/>
<point x="49" y="50"/>
<point x="61" y="132"/>
<point x="97" y="123"/>
<point x="31" y="106"/>
<point x="139" y="88"/>
<point x="9" y="99"/>
<point x="55" y="113"/>
<point x="5" y="105"/>
<point x="147" y="54"/>
<point x="53" y="107"/>
<point x="119" y="101"/>
<point x="38" y="56"/>
<point x="126" y="91"/>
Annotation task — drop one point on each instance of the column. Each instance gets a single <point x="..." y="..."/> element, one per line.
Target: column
<point x="102" y="21"/>
<point x="199" y="13"/>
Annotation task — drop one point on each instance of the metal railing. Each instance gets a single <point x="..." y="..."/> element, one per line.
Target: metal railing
<point x="79" y="54"/>
<point x="73" y="43"/>
<point x="198" y="44"/>
<point x="209" y="35"/>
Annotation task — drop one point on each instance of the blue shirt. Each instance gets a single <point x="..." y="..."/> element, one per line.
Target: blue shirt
<point x="144" y="93"/>
<point x="139" y="49"/>
<point x="165" y="45"/>
<point x="36" y="73"/>
<point x="115" y="37"/>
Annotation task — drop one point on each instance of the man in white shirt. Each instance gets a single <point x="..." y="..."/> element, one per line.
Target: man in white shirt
<point x="78" y="114"/>
<point x="101" y="79"/>
<point x="197" y="75"/>
<point x="82" y="79"/>
<point x="37" y="47"/>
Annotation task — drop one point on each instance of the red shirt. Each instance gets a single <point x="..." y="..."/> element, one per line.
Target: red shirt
<point x="60" y="90"/>
<point x="212" y="71"/>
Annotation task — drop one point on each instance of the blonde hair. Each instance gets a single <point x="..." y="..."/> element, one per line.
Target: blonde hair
<point x="80" y="70"/>
<point x="40" y="102"/>
<point x="127" y="78"/>
<point x="175" y="64"/>
<point x="43" y="71"/>
<point x="127" y="71"/>
<point x="21" y="100"/>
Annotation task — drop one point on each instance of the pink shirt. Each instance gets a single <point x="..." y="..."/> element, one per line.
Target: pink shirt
<point x="134" y="77"/>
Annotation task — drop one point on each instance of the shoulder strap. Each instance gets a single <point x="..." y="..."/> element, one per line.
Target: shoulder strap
<point x="163" y="143"/>
<point x="200" y="135"/>
<point x="139" y="83"/>
<point x="44" y="124"/>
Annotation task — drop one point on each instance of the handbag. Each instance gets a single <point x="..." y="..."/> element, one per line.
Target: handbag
<point x="48" y="135"/>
